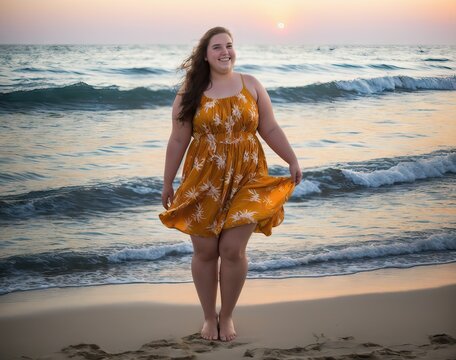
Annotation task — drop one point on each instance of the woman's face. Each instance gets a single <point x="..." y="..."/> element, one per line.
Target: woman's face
<point x="220" y="53"/>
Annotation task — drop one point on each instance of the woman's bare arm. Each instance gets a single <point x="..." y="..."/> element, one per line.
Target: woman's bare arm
<point x="271" y="132"/>
<point x="177" y="144"/>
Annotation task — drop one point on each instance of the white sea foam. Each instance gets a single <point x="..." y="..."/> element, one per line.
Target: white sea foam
<point x="390" y="83"/>
<point x="408" y="171"/>
<point x="306" y="187"/>
<point x="142" y="190"/>
<point x="437" y="242"/>
<point x="151" y="253"/>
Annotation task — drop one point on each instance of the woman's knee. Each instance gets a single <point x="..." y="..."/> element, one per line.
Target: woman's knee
<point x="232" y="253"/>
<point x="206" y="255"/>
<point x="205" y="249"/>
<point x="233" y="242"/>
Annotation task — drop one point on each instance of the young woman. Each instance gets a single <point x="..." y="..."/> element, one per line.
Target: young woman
<point x="226" y="192"/>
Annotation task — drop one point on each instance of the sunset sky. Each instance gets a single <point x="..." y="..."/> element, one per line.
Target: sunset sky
<point x="251" y="21"/>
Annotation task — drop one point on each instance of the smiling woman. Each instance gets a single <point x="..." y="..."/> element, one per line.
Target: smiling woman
<point x="226" y="192"/>
<point x="220" y="54"/>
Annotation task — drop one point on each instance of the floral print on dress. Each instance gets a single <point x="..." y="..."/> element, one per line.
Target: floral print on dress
<point x="225" y="181"/>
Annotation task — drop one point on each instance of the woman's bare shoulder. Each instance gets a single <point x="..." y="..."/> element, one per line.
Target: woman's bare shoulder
<point x="250" y="79"/>
<point x="252" y="84"/>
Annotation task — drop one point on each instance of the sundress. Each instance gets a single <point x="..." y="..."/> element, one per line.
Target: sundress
<point x="225" y="181"/>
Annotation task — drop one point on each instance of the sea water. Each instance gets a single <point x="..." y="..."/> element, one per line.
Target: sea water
<point x="82" y="148"/>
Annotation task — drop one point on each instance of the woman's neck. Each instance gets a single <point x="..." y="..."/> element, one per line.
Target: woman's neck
<point x="218" y="77"/>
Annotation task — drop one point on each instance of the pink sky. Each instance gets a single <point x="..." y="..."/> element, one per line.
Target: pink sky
<point x="251" y="21"/>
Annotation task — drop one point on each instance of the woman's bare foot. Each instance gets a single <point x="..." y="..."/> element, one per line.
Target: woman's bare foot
<point x="227" y="332"/>
<point x="210" y="329"/>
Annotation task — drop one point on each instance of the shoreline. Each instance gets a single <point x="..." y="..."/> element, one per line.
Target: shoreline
<point x="389" y="307"/>
<point x="247" y="279"/>
<point x="255" y="291"/>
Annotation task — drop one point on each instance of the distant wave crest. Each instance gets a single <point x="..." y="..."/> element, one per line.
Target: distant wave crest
<point x="360" y="87"/>
<point x="81" y="96"/>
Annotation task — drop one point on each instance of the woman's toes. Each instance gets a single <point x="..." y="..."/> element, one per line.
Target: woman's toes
<point x="227" y="332"/>
<point x="209" y="330"/>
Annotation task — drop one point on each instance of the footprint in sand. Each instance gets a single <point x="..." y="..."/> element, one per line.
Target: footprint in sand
<point x="183" y="349"/>
<point x="441" y="346"/>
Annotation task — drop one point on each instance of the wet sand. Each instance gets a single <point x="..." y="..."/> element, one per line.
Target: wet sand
<point x="384" y="314"/>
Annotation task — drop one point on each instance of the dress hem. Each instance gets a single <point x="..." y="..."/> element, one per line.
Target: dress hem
<point x="256" y="230"/>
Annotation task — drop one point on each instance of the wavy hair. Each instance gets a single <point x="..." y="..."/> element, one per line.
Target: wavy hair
<point x="197" y="75"/>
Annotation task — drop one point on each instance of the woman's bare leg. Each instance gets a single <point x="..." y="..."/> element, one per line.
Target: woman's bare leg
<point x="233" y="271"/>
<point x="205" y="277"/>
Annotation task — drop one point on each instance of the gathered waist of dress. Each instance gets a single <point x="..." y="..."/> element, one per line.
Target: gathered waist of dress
<point x="226" y="137"/>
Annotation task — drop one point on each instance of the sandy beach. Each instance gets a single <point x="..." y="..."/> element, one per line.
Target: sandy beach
<point x="384" y="314"/>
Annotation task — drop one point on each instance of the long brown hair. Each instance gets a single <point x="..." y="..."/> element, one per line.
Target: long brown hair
<point x="197" y="75"/>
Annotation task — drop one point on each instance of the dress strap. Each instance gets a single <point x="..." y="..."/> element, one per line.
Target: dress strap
<point x="242" y="79"/>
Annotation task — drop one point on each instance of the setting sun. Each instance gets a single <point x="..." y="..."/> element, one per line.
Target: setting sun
<point x="285" y="21"/>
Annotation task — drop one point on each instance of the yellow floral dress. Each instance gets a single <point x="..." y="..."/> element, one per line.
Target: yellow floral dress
<point x="225" y="181"/>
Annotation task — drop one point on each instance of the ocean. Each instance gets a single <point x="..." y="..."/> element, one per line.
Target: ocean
<point x="82" y="148"/>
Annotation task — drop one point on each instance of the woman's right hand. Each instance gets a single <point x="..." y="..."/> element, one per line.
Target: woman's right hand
<point x="167" y="195"/>
<point x="295" y="172"/>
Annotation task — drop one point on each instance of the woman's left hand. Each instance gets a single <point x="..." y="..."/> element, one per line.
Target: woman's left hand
<point x="295" y="172"/>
